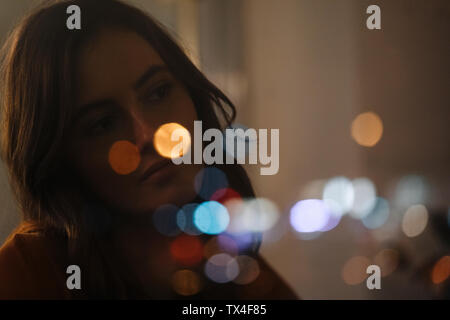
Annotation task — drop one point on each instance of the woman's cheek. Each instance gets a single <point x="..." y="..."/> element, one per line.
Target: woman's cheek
<point x="95" y="167"/>
<point x="182" y="109"/>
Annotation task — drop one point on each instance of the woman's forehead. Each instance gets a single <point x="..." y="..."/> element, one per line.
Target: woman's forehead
<point x="113" y="61"/>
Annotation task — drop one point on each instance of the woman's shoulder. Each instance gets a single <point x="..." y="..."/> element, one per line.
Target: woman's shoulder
<point x="269" y="285"/>
<point x="31" y="266"/>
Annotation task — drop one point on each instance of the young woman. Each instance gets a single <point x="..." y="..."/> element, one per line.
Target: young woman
<point x="67" y="97"/>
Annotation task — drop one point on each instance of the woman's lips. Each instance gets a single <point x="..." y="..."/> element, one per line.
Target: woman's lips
<point x="154" y="168"/>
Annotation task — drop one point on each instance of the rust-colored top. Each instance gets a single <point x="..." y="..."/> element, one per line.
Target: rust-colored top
<point x="33" y="266"/>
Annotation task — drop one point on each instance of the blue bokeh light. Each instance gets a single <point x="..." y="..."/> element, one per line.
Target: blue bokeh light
<point x="211" y="217"/>
<point x="378" y="216"/>
<point x="208" y="181"/>
<point x="185" y="219"/>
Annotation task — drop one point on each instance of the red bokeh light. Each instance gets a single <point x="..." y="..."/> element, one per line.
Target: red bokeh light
<point x="187" y="250"/>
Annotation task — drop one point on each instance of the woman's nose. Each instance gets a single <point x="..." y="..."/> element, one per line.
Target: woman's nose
<point x="143" y="133"/>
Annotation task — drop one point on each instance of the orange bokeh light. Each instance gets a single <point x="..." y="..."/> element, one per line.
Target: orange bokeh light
<point x="354" y="270"/>
<point x="441" y="270"/>
<point x="367" y="129"/>
<point x="124" y="157"/>
<point x="387" y="260"/>
<point x="186" y="282"/>
<point x="164" y="144"/>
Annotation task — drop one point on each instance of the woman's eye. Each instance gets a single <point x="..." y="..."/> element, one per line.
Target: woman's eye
<point x="158" y="93"/>
<point x="101" y="126"/>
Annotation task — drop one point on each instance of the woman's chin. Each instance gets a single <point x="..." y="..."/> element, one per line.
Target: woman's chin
<point x="173" y="195"/>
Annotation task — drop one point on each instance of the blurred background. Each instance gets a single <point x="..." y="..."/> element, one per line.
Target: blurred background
<point x="364" y="127"/>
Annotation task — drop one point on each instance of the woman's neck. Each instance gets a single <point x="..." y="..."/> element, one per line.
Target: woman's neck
<point x="147" y="255"/>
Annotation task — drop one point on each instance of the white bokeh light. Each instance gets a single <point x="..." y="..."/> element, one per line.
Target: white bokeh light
<point x="339" y="195"/>
<point x="259" y="215"/>
<point x="222" y="268"/>
<point x="251" y="215"/>
<point x="415" y="220"/>
<point x="309" y="215"/>
<point x="364" y="198"/>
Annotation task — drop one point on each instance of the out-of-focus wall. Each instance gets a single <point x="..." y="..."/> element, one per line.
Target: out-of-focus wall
<point x="301" y="59"/>
<point x="312" y="66"/>
<point x="404" y="73"/>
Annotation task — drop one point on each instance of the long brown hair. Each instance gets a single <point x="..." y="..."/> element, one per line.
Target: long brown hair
<point x="38" y="90"/>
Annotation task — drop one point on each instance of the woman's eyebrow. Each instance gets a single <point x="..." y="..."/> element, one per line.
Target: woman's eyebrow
<point x="151" y="71"/>
<point x="85" y="109"/>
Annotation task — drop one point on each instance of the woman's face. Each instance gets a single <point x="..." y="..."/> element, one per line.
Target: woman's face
<point x="125" y="92"/>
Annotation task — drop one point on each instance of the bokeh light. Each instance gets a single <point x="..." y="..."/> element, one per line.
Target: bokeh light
<point x="185" y="219"/>
<point x="364" y="199"/>
<point x="415" y="220"/>
<point x="333" y="221"/>
<point x="187" y="250"/>
<point x="339" y="195"/>
<point x="367" y="129"/>
<point x="165" y="220"/>
<point x="172" y="140"/>
<point x="243" y="240"/>
<point x="378" y="216"/>
<point x="124" y="157"/>
<point x="228" y="244"/>
<point x="387" y="260"/>
<point x="224" y="195"/>
<point x="309" y="215"/>
<point x="251" y="215"/>
<point x="220" y="244"/>
<point x="210" y="180"/>
<point x="248" y="270"/>
<point x="221" y="268"/>
<point x="235" y="207"/>
<point x="211" y="217"/>
<point x="441" y="270"/>
<point x="354" y="270"/>
<point x="186" y="282"/>
<point x="259" y="215"/>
